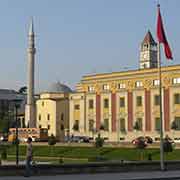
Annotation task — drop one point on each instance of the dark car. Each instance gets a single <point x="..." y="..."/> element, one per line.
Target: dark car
<point x="149" y="140"/>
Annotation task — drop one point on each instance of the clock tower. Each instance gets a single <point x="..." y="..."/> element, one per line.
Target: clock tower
<point x="148" y="53"/>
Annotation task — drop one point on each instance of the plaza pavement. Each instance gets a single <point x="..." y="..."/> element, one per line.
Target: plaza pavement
<point x="154" y="175"/>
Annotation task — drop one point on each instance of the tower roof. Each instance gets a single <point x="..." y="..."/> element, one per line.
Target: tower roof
<point x="148" y="39"/>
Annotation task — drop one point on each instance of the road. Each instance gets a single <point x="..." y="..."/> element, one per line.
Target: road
<point x="109" y="176"/>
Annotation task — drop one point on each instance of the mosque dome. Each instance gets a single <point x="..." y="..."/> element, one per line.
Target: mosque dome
<point x="59" y="88"/>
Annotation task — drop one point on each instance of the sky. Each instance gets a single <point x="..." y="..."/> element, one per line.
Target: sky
<point x="79" y="37"/>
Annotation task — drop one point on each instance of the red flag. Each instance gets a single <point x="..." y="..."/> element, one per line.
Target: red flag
<point x="162" y="37"/>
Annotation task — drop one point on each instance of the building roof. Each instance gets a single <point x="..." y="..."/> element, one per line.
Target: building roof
<point x="148" y="39"/>
<point x="8" y="94"/>
<point x="59" y="88"/>
<point x="129" y="73"/>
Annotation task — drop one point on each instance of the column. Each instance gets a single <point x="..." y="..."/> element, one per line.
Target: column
<point x="113" y="111"/>
<point x="147" y="110"/>
<point x="130" y="111"/>
<point x="98" y="111"/>
<point x="166" y="110"/>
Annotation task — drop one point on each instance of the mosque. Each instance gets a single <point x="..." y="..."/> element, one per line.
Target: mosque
<point x="118" y="105"/>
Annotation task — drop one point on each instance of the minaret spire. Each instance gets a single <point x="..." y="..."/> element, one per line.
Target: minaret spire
<point x="31" y="27"/>
<point x="30" y="106"/>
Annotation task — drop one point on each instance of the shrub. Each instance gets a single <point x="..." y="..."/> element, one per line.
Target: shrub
<point x="167" y="144"/>
<point x="61" y="161"/>
<point x="4" y="154"/>
<point x="52" y="140"/>
<point x="99" y="141"/>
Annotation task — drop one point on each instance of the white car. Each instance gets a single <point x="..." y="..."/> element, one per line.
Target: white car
<point x="177" y="140"/>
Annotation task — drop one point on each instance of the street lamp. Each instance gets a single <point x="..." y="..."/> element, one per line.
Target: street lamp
<point x="17" y="106"/>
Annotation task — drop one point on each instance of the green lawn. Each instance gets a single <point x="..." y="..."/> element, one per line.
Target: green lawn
<point x="82" y="154"/>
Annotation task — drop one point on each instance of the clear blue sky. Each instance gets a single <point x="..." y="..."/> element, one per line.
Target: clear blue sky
<point x="79" y="37"/>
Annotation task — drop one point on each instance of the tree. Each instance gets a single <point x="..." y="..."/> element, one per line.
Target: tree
<point x="23" y="90"/>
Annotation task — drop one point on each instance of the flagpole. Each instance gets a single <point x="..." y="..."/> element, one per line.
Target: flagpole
<point x="160" y="110"/>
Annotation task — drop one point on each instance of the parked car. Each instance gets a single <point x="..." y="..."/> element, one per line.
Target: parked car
<point x="149" y="140"/>
<point x="136" y="140"/>
<point x="3" y="138"/>
<point x="146" y="139"/>
<point x="77" y="139"/>
<point x="177" y="140"/>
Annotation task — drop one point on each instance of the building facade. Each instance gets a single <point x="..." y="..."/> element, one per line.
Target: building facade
<point x="120" y="105"/>
<point x="8" y="101"/>
<point x="52" y="110"/>
<point x="124" y="105"/>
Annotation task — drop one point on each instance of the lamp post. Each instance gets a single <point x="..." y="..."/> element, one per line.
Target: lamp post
<point x="17" y="105"/>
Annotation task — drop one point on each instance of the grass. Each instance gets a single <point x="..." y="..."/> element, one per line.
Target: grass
<point x="82" y="154"/>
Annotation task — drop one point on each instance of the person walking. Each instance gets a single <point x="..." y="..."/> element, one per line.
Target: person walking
<point x="29" y="156"/>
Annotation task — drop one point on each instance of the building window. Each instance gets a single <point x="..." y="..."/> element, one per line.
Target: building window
<point x="145" y="46"/>
<point x="122" y="124"/>
<point x="139" y="121"/>
<point x="177" y="98"/>
<point x="91" y="125"/>
<point x="39" y="126"/>
<point x="176" y="80"/>
<point x="48" y="127"/>
<point x="157" y="124"/>
<point x="139" y="100"/>
<point x="39" y="117"/>
<point x="177" y="122"/>
<point x="156" y="82"/>
<point x="156" y="100"/>
<point x="42" y="103"/>
<point x="76" y="125"/>
<point x="105" y="87"/>
<point x="106" y="124"/>
<point x="48" y="117"/>
<point x="91" y="88"/>
<point x="62" y="116"/>
<point x="139" y="84"/>
<point x="106" y="103"/>
<point x="76" y="106"/>
<point x="145" y="65"/>
<point x="91" y="104"/>
<point x="122" y="102"/>
<point x="121" y="86"/>
<point x="62" y="127"/>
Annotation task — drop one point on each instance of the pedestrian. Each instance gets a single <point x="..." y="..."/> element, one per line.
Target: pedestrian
<point x="29" y="156"/>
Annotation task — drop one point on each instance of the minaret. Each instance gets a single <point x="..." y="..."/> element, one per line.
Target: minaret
<point x="148" y="53"/>
<point x="30" y="106"/>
